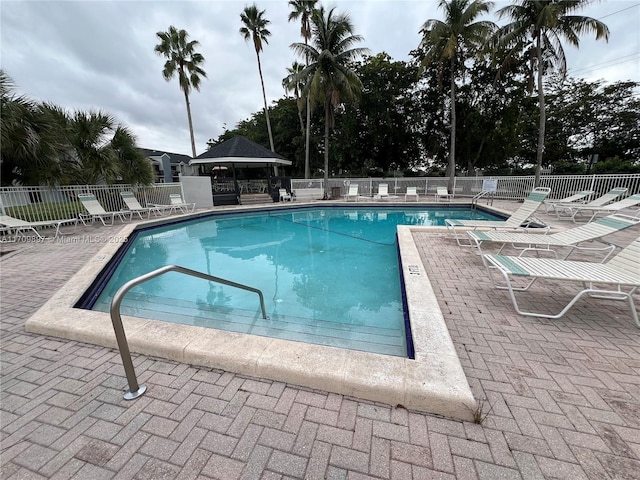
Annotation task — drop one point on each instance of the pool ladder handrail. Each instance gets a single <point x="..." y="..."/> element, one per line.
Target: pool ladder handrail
<point x="136" y="390"/>
<point x="478" y="196"/>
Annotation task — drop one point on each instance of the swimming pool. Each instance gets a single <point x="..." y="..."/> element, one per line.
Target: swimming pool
<point x="329" y="276"/>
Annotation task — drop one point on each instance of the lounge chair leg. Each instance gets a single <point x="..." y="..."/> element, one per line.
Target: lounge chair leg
<point x="452" y="228"/>
<point x="508" y="285"/>
<point x="590" y="292"/>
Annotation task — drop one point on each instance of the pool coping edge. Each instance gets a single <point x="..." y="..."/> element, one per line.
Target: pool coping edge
<point x="433" y="382"/>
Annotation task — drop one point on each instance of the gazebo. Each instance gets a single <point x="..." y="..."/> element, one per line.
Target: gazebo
<point x="239" y="152"/>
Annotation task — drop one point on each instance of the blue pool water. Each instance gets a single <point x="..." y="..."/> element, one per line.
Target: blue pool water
<point x="329" y="276"/>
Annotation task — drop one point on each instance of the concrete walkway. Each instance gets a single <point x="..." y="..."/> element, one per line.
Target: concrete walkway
<point x="561" y="398"/>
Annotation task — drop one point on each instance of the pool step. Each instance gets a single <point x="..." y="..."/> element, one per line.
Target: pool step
<point x="320" y="332"/>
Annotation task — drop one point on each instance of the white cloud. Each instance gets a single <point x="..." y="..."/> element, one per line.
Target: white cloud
<point x="99" y="55"/>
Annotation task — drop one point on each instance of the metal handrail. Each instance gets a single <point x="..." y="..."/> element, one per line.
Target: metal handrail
<point x="136" y="390"/>
<point x="478" y="196"/>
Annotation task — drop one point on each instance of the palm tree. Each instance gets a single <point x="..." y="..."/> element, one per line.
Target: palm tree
<point x="255" y="28"/>
<point x="30" y="140"/>
<point x="89" y="159"/>
<point x="134" y="167"/>
<point x="293" y="83"/>
<point x="183" y="60"/>
<point x="449" y="43"/>
<point x="329" y="79"/>
<point x="97" y="149"/>
<point x="537" y="27"/>
<point x="303" y="9"/>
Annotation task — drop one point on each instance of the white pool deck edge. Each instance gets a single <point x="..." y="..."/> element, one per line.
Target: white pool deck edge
<point x="433" y="382"/>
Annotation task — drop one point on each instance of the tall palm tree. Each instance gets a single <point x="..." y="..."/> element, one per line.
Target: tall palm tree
<point x="449" y="43"/>
<point x="329" y="79"/>
<point x="303" y="9"/>
<point x="183" y="60"/>
<point x="293" y="82"/>
<point x="537" y="28"/>
<point x="255" y="28"/>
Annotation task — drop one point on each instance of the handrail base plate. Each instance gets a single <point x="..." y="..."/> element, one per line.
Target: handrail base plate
<point x="129" y="395"/>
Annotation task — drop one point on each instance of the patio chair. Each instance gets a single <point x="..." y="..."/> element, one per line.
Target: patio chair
<point x="577" y="198"/>
<point x="352" y="193"/>
<point x="176" y="203"/>
<point x="383" y="192"/>
<point x="567" y="209"/>
<point x="9" y="224"/>
<point x="442" y="193"/>
<point x="623" y="270"/>
<point x="97" y="211"/>
<point x="284" y="195"/>
<point x="411" y="192"/>
<point x="571" y="238"/>
<point x="134" y="206"/>
<point x="628" y="202"/>
<point x="521" y="219"/>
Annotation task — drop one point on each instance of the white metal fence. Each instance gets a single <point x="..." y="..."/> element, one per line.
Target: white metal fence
<point x="512" y="188"/>
<point x="52" y="203"/>
<point x="57" y="203"/>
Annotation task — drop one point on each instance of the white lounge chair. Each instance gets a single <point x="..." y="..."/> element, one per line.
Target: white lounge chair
<point x="176" y="203"/>
<point x="411" y="192"/>
<point x="571" y="238"/>
<point x="521" y="219"/>
<point x="623" y="270"/>
<point x="628" y="202"/>
<point x="97" y="211"/>
<point x="352" y="193"/>
<point x="442" y="193"/>
<point x="284" y="195"/>
<point x="16" y="226"/>
<point x="383" y="192"/>
<point x="568" y="209"/>
<point x="134" y="206"/>
<point x="575" y="199"/>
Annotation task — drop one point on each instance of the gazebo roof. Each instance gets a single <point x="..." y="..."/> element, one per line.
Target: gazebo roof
<point x="240" y="152"/>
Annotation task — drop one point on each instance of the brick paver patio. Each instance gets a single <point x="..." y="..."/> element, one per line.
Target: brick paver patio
<point x="561" y="397"/>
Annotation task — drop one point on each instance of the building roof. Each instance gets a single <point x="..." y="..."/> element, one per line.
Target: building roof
<point x="240" y="151"/>
<point x="174" y="157"/>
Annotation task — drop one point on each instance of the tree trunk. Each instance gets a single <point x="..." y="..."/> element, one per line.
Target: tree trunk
<point x="307" y="163"/>
<point x="298" y="103"/>
<point x="472" y="162"/>
<point x="451" y="170"/>
<point x="326" y="149"/>
<point x="543" y="117"/>
<point x="266" y="110"/>
<point x="193" y="141"/>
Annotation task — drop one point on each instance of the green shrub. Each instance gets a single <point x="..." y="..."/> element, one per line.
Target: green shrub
<point x="568" y="168"/>
<point x="615" y="165"/>
<point x="46" y="211"/>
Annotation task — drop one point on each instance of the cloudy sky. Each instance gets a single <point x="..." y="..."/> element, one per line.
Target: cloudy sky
<point x="99" y="55"/>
